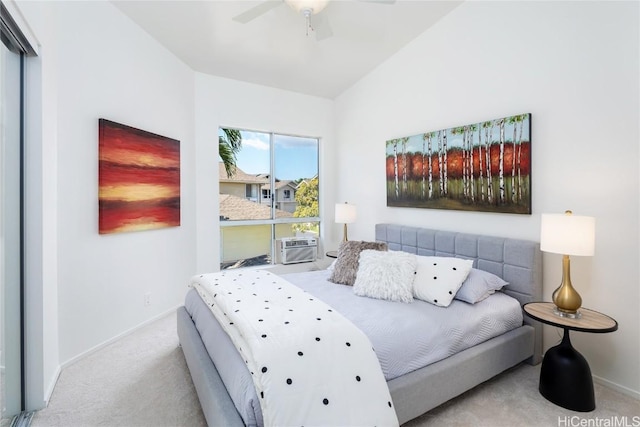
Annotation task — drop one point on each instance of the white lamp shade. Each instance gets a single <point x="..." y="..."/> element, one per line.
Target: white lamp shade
<point x="345" y="213"/>
<point x="568" y="234"/>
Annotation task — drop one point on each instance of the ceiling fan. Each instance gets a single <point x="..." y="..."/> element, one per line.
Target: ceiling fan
<point x="309" y="9"/>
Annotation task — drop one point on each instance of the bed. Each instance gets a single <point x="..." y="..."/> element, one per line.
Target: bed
<point x="413" y="392"/>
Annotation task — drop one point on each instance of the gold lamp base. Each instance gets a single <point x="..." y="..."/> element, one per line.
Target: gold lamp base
<point x="566" y="298"/>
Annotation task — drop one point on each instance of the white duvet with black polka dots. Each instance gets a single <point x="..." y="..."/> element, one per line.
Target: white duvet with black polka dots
<point x="309" y="364"/>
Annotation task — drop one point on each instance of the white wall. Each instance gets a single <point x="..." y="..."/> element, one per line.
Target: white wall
<point x="574" y="66"/>
<point x="224" y="102"/>
<point x="107" y="67"/>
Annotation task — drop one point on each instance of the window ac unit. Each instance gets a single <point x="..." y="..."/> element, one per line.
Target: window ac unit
<point x="291" y="250"/>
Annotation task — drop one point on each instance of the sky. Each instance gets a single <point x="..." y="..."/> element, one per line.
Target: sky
<point x="296" y="157"/>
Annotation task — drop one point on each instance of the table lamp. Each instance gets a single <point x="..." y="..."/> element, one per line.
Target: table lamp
<point x="567" y="234"/>
<point x="345" y="214"/>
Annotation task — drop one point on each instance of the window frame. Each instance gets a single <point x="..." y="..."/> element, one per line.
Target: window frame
<point x="273" y="221"/>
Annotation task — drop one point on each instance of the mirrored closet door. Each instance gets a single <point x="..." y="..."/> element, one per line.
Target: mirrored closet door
<point x="14" y="48"/>
<point x="10" y="234"/>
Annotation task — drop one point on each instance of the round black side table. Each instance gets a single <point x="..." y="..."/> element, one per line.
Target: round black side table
<point x="565" y="376"/>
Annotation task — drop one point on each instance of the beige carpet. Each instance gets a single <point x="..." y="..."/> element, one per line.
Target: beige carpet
<point x="143" y="380"/>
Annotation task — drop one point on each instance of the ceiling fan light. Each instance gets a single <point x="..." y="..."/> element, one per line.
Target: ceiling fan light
<point x="315" y="6"/>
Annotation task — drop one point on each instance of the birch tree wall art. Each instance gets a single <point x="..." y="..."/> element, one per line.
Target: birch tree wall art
<point x="139" y="179"/>
<point x="484" y="166"/>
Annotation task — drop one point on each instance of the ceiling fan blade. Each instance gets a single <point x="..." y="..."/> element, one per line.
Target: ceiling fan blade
<point x="321" y="26"/>
<point x="257" y="11"/>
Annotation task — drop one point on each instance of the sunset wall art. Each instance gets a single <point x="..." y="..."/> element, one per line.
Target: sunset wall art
<point x="139" y="179"/>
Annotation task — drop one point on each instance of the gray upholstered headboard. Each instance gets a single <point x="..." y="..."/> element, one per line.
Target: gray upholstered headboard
<point x="519" y="262"/>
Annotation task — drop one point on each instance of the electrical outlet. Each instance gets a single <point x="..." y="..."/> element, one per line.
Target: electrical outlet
<point x="147" y="299"/>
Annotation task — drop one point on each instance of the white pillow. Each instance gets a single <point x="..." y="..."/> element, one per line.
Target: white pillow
<point x="439" y="278"/>
<point x="478" y="286"/>
<point x="385" y="275"/>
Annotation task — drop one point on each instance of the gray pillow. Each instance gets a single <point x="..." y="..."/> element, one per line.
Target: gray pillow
<point x="478" y="286"/>
<point x="346" y="267"/>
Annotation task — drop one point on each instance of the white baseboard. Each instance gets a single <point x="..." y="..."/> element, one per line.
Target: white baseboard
<point x="52" y="385"/>
<point x="617" y="387"/>
<point x="116" y="338"/>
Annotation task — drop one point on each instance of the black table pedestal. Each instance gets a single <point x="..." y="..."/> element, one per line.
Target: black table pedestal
<point x="565" y="377"/>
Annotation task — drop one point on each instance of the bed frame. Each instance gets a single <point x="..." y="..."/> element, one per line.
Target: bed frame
<point x="519" y="262"/>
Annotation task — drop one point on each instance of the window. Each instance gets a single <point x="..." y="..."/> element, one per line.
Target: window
<point x="283" y="171"/>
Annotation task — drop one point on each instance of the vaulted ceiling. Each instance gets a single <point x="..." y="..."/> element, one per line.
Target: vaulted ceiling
<point x="273" y="49"/>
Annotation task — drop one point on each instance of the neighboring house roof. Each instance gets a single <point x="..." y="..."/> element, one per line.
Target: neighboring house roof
<point x="236" y="208"/>
<point x="240" y="176"/>
<point x="280" y="184"/>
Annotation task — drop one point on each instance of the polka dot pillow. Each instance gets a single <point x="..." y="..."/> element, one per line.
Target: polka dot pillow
<point x="438" y="279"/>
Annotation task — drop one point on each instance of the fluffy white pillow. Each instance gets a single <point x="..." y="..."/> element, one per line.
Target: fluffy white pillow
<point x="438" y="278"/>
<point x="385" y="275"/>
<point x="346" y="267"/>
<point x="478" y="286"/>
